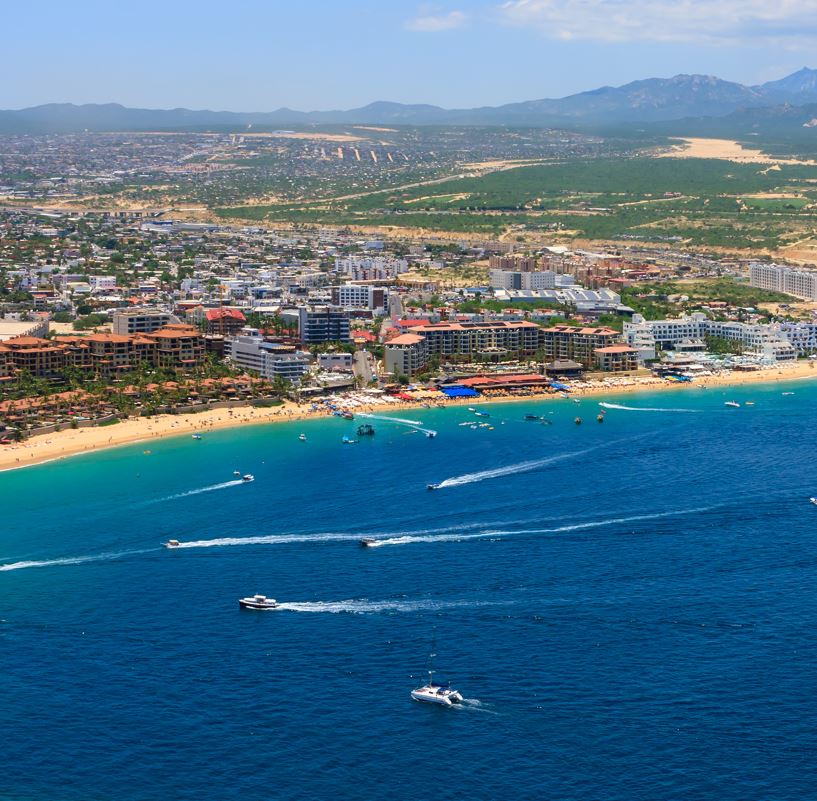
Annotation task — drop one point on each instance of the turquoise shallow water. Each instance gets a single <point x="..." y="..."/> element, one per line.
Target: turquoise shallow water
<point x="628" y="608"/>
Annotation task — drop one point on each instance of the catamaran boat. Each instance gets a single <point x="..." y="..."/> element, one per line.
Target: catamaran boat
<point x="733" y="404"/>
<point x="248" y="477"/>
<point x="432" y="486"/>
<point x="172" y="544"/>
<point x="257" y="602"/>
<point x="434" y="693"/>
<point x="367" y="542"/>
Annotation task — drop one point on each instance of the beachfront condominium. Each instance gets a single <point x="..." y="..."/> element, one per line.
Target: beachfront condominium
<point x="319" y="324"/>
<point x="778" y="278"/>
<point x="577" y="343"/>
<point x="250" y="351"/>
<point x="406" y="354"/>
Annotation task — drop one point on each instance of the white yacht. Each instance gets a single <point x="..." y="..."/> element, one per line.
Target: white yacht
<point x="733" y="404"/>
<point x="257" y="602"/>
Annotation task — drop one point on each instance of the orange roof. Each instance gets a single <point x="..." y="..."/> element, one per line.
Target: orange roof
<point x="577" y="329"/>
<point x="405" y="339"/>
<point x="616" y="349"/>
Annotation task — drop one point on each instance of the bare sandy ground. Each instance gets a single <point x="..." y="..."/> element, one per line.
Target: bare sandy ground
<point x="62" y="444"/>
<point x="724" y="149"/>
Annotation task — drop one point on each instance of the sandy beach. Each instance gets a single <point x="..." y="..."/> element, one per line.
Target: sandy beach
<point x="69" y="442"/>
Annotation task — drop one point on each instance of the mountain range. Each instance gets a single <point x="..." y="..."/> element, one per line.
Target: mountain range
<point x="654" y="100"/>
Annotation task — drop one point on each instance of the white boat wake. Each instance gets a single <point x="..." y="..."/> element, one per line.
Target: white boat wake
<point x="400" y="420"/>
<point x="363" y="606"/>
<point x="519" y="467"/>
<point x="623" y="408"/>
<point x="272" y="539"/>
<point x="212" y="488"/>
<point x="71" y="560"/>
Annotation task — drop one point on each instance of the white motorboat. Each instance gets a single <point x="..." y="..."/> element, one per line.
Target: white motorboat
<point x="236" y="472"/>
<point x="432" y="486"/>
<point x="367" y="542"/>
<point x="258" y="602"/>
<point x="733" y="404"/>
<point x="302" y="437"/>
<point x="813" y="500"/>
<point x="195" y="436"/>
<point x="248" y="477"/>
<point x="172" y="544"/>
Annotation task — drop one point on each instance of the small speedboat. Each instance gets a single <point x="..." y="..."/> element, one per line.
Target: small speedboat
<point x="302" y="437"/>
<point x="432" y="486"/>
<point x="172" y="544"/>
<point x="600" y="418"/>
<point x="347" y="415"/>
<point x="195" y="436"/>
<point x="532" y="417"/>
<point x="481" y="414"/>
<point x="367" y="542"/>
<point x="578" y="421"/>
<point x="432" y="693"/>
<point x="431" y="434"/>
<point x="248" y="477"/>
<point x="347" y="441"/>
<point x="257" y="602"/>
<point x="813" y="500"/>
<point x="733" y="404"/>
<point x="788" y="393"/>
<point x="236" y="472"/>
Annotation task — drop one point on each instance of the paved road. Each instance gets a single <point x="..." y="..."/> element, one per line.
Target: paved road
<point x="362" y="366"/>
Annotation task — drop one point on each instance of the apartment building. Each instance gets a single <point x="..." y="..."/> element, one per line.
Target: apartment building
<point x="577" y="343"/>
<point x="406" y="354"/>
<point x="361" y="296"/>
<point x="777" y="278"/>
<point x="508" y="279"/>
<point x="140" y="321"/>
<point x="318" y="324"/>
<point x="499" y="340"/>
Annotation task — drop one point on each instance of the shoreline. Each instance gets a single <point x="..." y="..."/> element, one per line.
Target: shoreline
<point x="64" y="444"/>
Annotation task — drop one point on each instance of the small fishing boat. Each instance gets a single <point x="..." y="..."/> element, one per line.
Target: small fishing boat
<point x="236" y="472"/>
<point x="248" y="477"/>
<point x="367" y="542"/>
<point x="788" y="393"/>
<point x="195" y="436"/>
<point x="347" y="416"/>
<point x="257" y="602"/>
<point x="600" y="418"/>
<point x="471" y="409"/>
<point x="432" y="486"/>
<point x="481" y="414"/>
<point x="302" y="437"/>
<point x="172" y="544"/>
<point x="749" y="403"/>
<point x="348" y="441"/>
<point x="578" y="421"/>
<point x="532" y="417"/>
<point x="431" y="434"/>
<point x="813" y="500"/>
<point x="733" y="404"/>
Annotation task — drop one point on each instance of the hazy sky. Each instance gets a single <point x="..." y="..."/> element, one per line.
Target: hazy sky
<point x="257" y="55"/>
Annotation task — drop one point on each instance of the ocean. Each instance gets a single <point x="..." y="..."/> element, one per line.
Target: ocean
<point x="629" y="608"/>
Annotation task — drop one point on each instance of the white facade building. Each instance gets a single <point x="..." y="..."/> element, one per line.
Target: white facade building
<point x="777" y="278"/>
<point x="370" y="268"/>
<point x="508" y="279"/>
<point x="252" y="352"/>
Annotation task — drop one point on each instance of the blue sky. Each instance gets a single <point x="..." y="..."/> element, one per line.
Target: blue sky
<point x="257" y="55"/>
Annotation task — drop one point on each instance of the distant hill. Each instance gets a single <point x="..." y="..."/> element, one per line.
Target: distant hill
<point x="653" y="100"/>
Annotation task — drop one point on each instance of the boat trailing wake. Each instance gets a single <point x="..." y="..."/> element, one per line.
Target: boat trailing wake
<point x="400" y="420"/>
<point x="623" y="408"/>
<point x="272" y="539"/>
<point x="363" y="606"/>
<point x="410" y="539"/>
<point x="71" y="560"/>
<point x="519" y="467"/>
<point x="212" y="488"/>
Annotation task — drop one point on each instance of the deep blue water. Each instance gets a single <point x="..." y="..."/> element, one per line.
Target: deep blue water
<point x="631" y="614"/>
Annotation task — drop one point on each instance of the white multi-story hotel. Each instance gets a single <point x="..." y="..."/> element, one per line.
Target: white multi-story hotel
<point x="763" y="340"/>
<point x="507" y="279"/>
<point x="777" y="278"/>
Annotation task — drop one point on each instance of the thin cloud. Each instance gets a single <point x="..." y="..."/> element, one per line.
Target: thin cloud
<point x="789" y="23"/>
<point x="433" y="23"/>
